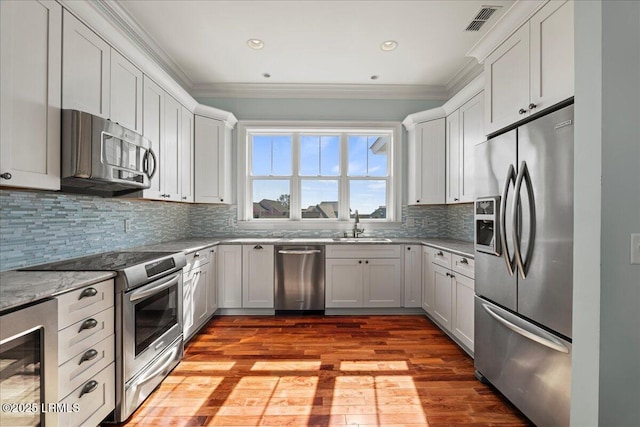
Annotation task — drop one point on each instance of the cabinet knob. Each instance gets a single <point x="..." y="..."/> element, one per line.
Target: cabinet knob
<point x="196" y="255"/>
<point x="409" y="248"/>
<point x="258" y="247"/>
<point x="464" y="261"/>
<point x="532" y="106"/>
<point x="522" y="111"/>
<point x="417" y="201"/>
<point x="440" y="253"/>
<point x="184" y="197"/>
<point x="456" y="199"/>
<point x="222" y="200"/>
<point x="366" y="262"/>
<point x="359" y="262"/>
<point x="448" y="274"/>
<point x="6" y="176"/>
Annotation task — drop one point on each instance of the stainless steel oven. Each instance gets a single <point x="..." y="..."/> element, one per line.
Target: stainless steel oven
<point x="28" y="373"/>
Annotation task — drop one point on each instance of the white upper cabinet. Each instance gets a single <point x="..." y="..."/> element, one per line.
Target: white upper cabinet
<point x="170" y="163"/>
<point x="532" y="69"/>
<point x="86" y="65"/>
<point x="30" y="64"/>
<point x="186" y="156"/>
<point x="126" y="93"/>
<point x="426" y="163"/>
<point x="212" y="161"/>
<point x="465" y="129"/>
<point x="152" y="128"/>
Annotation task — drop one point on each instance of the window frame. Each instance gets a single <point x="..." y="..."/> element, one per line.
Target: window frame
<point x="244" y="164"/>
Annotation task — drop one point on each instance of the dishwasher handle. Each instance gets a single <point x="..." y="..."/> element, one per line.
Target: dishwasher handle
<point x="299" y="252"/>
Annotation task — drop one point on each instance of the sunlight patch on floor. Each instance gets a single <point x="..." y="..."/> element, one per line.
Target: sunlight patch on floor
<point x="373" y="365"/>
<point x="287" y="365"/>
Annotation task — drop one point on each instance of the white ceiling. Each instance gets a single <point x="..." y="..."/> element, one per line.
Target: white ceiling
<point x="311" y="42"/>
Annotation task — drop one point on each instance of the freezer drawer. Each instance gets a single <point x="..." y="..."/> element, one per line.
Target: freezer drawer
<point x="529" y="365"/>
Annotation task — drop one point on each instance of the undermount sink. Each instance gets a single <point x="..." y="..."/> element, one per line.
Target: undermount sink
<point x="362" y="239"/>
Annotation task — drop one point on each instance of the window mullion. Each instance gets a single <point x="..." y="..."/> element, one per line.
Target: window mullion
<point x="343" y="186"/>
<point x="295" y="196"/>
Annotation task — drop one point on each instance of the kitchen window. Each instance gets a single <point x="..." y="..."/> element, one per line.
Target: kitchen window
<point x="318" y="173"/>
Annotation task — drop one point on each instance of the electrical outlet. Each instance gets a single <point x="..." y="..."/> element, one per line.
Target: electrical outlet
<point x="127" y="225"/>
<point x="635" y="248"/>
<point x="230" y="221"/>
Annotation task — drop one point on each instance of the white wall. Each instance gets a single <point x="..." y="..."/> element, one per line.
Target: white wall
<point x="606" y="360"/>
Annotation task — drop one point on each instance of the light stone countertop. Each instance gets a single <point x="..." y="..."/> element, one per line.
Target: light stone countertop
<point x="23" y="287"/>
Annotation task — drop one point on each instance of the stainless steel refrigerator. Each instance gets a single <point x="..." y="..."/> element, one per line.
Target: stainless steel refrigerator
<point x="524" y="262"/>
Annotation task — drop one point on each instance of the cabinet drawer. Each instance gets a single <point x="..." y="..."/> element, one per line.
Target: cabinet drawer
<point x="79" y="304"/>
<point x="73" y="340"/>
<point x="84" y="365"/>
<point x="362" y="251"/>
<point x="94" y="400"/>
<point x="442" y="258"/>
<point x="463" y="265"/>
<point x="196" y="259"/>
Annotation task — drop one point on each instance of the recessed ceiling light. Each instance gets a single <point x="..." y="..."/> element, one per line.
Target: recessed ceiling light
<point x="256" y="44"/>
<point x="266" y="75"/>
<point x="374" y="77"/>
<point x="389" y="45"/>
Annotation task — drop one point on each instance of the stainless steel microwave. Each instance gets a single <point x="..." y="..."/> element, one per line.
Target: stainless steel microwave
<point x="103" y="158"/>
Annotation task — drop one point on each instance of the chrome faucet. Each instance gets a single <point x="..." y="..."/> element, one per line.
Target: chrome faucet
<point x="357" y="231"/>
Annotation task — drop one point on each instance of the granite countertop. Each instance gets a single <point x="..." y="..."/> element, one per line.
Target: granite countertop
<point x="459" y="247"/>
<point x="22" y="287"/>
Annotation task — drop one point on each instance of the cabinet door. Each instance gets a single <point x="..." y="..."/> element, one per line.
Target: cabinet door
<point x="85" y="68"/>
<point x="30" y="64"/>
<point x="230" y="276"/>
<point x="442" y="296"/>
<point x="257" y="276"/>
<point x="126" y="93"/>
<point x="382" y="282"/>
<point x="186" y="156"/>
<point x="412" y="276"/>
<point x="212" y="283"/>
<point x="463" y="288"/>
<point x="428" y="164"/>
<point x="152" y="117"/>
<point x="344" y="283"/>
<point x="200" y="297"/>
<point x="212" y="161"/>
<point x="171" y="149"/>
<point x="471" y="133"/>
<point x="507" y="82"/>
<point x="552" y="75"/>
<point x="453" y="157"/>
<point x="428" y="277"/>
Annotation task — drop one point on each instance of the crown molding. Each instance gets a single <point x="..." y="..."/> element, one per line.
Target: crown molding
<point x="412" y="120"/>
<point x="469" y="71"/>
<point x="214" y="113"/>
<point x="514" y="18"/>
<point x="469" y="91"/>
<point x="319" y="91"/>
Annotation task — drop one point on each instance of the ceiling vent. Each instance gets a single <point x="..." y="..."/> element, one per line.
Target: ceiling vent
<point x="485" y="13"/>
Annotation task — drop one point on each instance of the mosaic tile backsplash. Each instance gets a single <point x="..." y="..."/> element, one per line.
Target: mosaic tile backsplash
<point x="38" y="227"/>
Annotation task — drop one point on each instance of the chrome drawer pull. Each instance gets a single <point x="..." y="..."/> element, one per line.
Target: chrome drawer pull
<point x="464" y="261"/>
<point x="88" y="355"/>
<point x="258" y="247"/>
<point x="88" y="324"/>
<point x="88" y="292"/>
<point x="89" y="387"/>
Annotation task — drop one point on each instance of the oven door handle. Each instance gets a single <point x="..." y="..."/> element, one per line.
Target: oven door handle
<point x="154" y="288"/>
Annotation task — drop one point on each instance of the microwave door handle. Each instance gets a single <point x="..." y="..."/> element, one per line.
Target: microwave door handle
<point x="523" y="175"/>
<point x="148" y="291"/>
<point x="146" y="163"/>
<point x="509" y="260"/>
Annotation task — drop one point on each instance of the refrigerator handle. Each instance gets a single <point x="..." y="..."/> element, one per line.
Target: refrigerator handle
<point x="511" y="177"/>
<point x="547" y="341"/>
<point x="523" y="174"/>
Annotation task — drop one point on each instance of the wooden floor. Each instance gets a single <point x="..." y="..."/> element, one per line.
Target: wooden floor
<point x="321" y="371"/>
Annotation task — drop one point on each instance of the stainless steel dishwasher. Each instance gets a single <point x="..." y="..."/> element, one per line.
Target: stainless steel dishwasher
<point x="299" y="279"/>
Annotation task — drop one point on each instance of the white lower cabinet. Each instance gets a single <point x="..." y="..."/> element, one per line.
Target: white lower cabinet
<point x="373" y="281"/>
<point x="412" y="276"/>
<point x="198" y="304"/>
<point x="229" y="276"/>
<point x="86" y="354"/>
<point x="448" y="293"/>
<point x="257" y="276"/>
